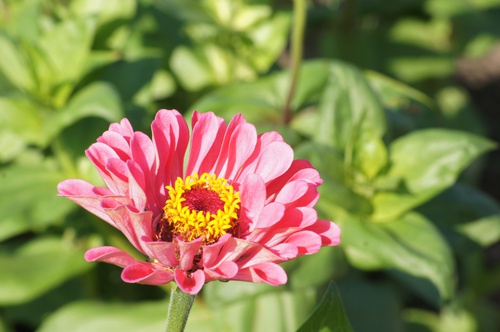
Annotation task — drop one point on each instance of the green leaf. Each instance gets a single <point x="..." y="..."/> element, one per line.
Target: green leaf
<point x="427" y="161"/>
<point x="22" y="119"/>
<point x="369" y="154"/>
<point x="98" y="99"/>
<point x="28" y="199"/>
<point x="65" y="48"/>
<point x="348" y="107"/>
<point x="412" y="245"/>
<point x="250" y="307"/>
<point x="329" y="316"/>
<point x="468" y="211"/>
<point x="97" y="316"/>
<point x="14" y="63"/>
<point x="36" y="267"/>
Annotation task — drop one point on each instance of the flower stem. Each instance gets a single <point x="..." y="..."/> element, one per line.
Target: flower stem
<point x="299" y="23"/>
<point x="178" y="310"/>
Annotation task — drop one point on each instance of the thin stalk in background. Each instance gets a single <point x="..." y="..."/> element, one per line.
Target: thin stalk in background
<point x="299" y="23"/>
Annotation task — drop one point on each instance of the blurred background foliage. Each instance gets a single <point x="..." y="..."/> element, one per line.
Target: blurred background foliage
<point x="396" y="105"/>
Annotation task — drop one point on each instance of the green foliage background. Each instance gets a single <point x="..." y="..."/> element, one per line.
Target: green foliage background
<point x="376" y="110"/>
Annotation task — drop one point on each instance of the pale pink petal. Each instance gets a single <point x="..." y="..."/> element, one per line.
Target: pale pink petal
<point x="135" y="226"/>
<point x="272" y="161"/>
<point x="223" y="271"/>
<point x="170" y="137"/>
<point x="270" y="273"/>
<point x="253" y="196"/>
<point x="299" y="169"/>
<point x="146" y="273"/>
<point x="100" y="154"/>
<point x="117" y="142"/>
<point x="188" y="282"/>
<point x="213" y="253"/>
<point x="187" y="253"/>
<point x="286" y="251"/>
<point x="164" y="252"/>
<point x="329" y="232"/>
<point x="207" y="136"/>
<point x="137" y="185"/>
<point x="89" y="197"/>
<point x="307" y="242"/>
<point x="109" y="255"/>
<point x="239" y="148"/>
<point x="123" y="128"/>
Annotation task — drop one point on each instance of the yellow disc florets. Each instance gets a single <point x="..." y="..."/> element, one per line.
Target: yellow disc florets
<point x="200" y="206"/>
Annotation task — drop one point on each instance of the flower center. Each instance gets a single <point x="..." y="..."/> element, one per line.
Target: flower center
<point x="199" y="206"/>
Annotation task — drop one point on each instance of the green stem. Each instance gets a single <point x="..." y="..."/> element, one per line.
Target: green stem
<point x="178" y="310"/>
<point x="299" y="23"/>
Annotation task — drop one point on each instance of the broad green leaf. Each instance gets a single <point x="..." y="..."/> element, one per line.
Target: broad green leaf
<point x="22" y="19"/>
<point x="348" y="107"/>
<point x="412" y="245"/>
<point x="36" y="267"/>
<point x="106" y="11"/>
<point x="249" y="307"/>
<point x="427" y="161"/>
<point x="66" y="47"/>
<point x="369" y="154"/>
<point x="329" y="316"/>
<point x="468" y="211"/>
<point x="14" y="63"/>
<point x="23" y="119"/>
<point x="451" y="318"/>
<point x="208" y="65"/>
<point x="97" y="99"/>
<point x="98" y="316"/>
<point x="407" y="109"/>
<point x="28" y="199"/>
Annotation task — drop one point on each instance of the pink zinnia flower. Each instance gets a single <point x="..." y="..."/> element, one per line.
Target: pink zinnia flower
<point x="240" y="206"/>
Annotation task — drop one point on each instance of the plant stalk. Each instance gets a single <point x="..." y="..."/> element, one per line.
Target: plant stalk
<point x="178" y="310"/>
<point x="299" y="23"/>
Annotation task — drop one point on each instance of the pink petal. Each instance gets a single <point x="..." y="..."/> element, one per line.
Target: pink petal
<point x="236" y="149"/>
<point x="223" y="271"/>
<point x="146" y="273"/>
<point x="170" y="137"/>
<point x="123" y="128"/>
<point x="164" y="252"/>
<point x="299" y="169"/>
<point x="253" y="196"/>
<point x="109" y="255"/>
<point x="270" y="273"/>
<point x="329" y="232"/>
<point x="207" y="136"/>
<point x="187" y="253"/>
<point x="117" y="142"/>
<point x="190" y="283"/>
<point x="286" y="251"/>
<point x="135" y="226"/>
<point x="307" y="242"/>
<point x="88" y="196"/>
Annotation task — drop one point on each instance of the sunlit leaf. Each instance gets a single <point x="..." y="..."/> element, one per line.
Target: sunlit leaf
<point x="97" y="99"/>
<point x="468" y="211"/>
<point x="36" y="267"/>
<point x="348" y="107"/>
<point x="97" y="316"/>
<point x="28" y="199"/>
<point x="427" y="161"/>
<point x="412" y="245"/>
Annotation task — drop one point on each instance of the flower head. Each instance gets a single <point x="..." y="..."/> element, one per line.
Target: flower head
<point x="239" y="207"/>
